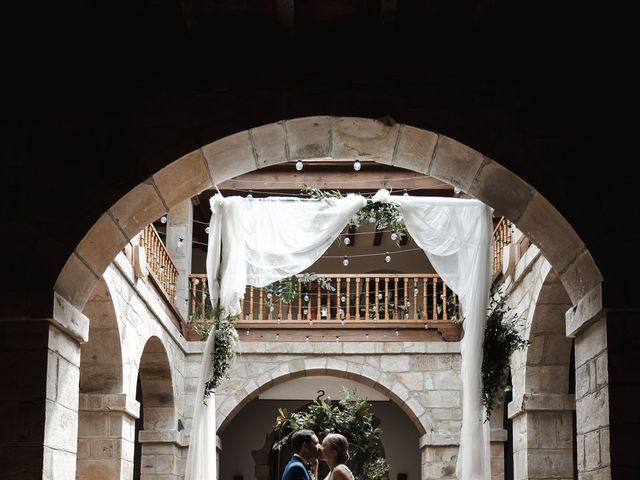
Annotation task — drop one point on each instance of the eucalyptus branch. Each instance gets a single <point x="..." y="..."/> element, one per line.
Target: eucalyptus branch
<point x="383" y="215"/>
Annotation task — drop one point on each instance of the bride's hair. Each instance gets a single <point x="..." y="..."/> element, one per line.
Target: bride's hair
<point x="340" y="445"/>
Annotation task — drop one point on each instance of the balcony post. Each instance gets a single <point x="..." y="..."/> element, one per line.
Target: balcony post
<point x="180" y="226"/>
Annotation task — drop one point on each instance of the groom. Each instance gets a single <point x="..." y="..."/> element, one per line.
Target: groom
<point x="306" y="449"/>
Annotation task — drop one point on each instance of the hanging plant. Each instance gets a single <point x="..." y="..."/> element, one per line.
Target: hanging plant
<point x="382" y="215"/>
<point x="501" y="340"/>
<point x="225" y="341"/>
<point x="350" y="417"/>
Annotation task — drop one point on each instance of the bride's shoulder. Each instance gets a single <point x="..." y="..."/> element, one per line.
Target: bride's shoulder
<point x="342" y="472"/>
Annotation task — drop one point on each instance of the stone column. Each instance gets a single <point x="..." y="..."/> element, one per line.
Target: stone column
<point x="161" y="454"/>
<point x="438" y="454"/>
<point x="40" y="367"/>
<point x="179" y="238"/>
<point x="592" y="402"/>
<point x="106" y="436"/>
<point x="542" y="436"/>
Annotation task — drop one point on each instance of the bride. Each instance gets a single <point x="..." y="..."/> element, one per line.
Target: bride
<point x="335" y="452"/>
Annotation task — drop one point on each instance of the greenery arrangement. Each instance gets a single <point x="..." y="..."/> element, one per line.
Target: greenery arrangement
<point x="205" y="321"/>
<point x="501" y="340"/>
<point x="351" y="416"/>
<point x="288" y="288"/>
<point x="383" y="215"/>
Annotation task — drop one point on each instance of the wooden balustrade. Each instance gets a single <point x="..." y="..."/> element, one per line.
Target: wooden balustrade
<point x="501" y="238"/>
<point x="159" y="262"/>
<point x="356" y="299"/>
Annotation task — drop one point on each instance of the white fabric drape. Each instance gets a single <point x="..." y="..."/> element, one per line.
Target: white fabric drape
<point x="268" y="239"/>
<point x="455" y="234"/>
<point x="259" y="241"/>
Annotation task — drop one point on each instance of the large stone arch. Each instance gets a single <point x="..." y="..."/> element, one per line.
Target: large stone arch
<point x="339" y="137"/>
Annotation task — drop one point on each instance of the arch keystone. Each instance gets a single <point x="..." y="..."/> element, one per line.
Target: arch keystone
<point x="364" y="138"/>
<point x="309" y="137"/>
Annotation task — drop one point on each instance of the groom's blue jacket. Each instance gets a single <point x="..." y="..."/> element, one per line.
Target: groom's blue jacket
<point x="296" y="470"/>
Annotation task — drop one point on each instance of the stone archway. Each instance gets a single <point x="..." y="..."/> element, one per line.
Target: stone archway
<point x="156" y="441"/>
<point x="312" y="137"/>
<point x="103" y="412"/>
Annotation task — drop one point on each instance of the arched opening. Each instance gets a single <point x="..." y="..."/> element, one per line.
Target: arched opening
<point x="248" y="438"/>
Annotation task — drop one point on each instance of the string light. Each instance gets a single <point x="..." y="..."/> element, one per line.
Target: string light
<point x="357" y="165"/>
<point x="397" y="333"/>
<point x="405" y="193"/>
<point x="277" y="336"/>
<point x="246" y="332"/>
<point x="163" y="219"/>
<point x="347" y="240"/>
<point x="207" y="230"/>
<point x="345" y="261"/>
<point x="343" y="298"/>
<point x="394" y="236"/>
<point x="250" y="195"/>
<point x="337" y="338"/>
<point x="387" y="257"/>
<point x="179" y="243"/>
<point x="306" y="298"/>
<point x="306" y="339"/>
<point x="380" y="296"/>
<point x="299" y="165"/>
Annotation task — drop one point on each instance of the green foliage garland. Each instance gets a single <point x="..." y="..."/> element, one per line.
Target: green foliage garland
<point x="287" y="289"/>
<point x="501" y="340"/>
<point x="351" y="417"/>
<point x="383" y="215"/>
<point x="225" y="341"/>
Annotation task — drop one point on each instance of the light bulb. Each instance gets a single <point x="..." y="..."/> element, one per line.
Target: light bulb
<point x="269" y="295"/>
<point x="249" y="195"/>
<point x="397" y="333"/>
<point x="306" y="298"/>
<point x="337" y="338"/>
<point x="394" y="236"/>
<point x="380" y="296"/>
<point x="246" y="332"/>
<point x="207" y="230"/>
<point x="366" y="335"/>
<point x="387" y="258"/>
<point x="299" y="165"/>
<point x="197" y="282"/>
<point x="306" y="339"/>
<point x="408" y="304"/>
<point x="305" y="311"/>
<point x="342" y="323"/>
<point x="343" y="298"/>
<point x="277" y="336"/>
<point x="405" y="194"/>
<point x="179" y="244"/>
<point x="271" y="308"/>
<point x="246" y="317"/>
<point x="347" y="240"/>
<point x="345" y="262"/>
<point x="163" y="219"/>
<point x="415" y="291"/>
<point x="456" y="190"/>
<point x="357" y="165"/>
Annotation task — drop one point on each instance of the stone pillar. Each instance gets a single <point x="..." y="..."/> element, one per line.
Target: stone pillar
<point x="40" y="367"/>
<point x="438" y="454"/>
<point x="180" y="226"/>
<point x="592" y="402"/>
<point x="542" y="436"/>
<point x="161" y="454"/>
<point x="106" y="436"/>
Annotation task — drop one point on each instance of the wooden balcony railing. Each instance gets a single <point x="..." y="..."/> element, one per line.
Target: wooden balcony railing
<point x="159" y="262"/>
<point x="398" y="298"/>
<point x="501" y="238"/>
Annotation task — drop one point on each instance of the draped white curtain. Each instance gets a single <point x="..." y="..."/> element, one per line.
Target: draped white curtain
<point x="258" y="241"/>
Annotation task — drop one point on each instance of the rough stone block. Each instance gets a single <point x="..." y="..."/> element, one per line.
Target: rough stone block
<point x="101" y="244"/>
<point x="363" y="138"/>
<point x="269" y="144"/>
<point x="230" y="156"/>
<point x="592" y="411"/>
<point x="138" y="208"/>
<point x="309" y="137"/>
<point x="76" y="281"/>
<point x="182" y="179"/>
<point x="415" y="149"/>
<point x="456" y="163"/>
<point x="591" y="342"/>
<point x="61" y="427"/>
<point x="581" y="276"/>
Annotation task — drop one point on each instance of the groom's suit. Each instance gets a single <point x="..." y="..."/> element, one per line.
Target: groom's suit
<point x="296" y="469"/>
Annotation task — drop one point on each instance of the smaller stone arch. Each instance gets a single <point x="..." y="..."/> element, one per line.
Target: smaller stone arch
<point x="101" y="356"/>
<point x="156" y="382"/>
<point x="233" y="402"/>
